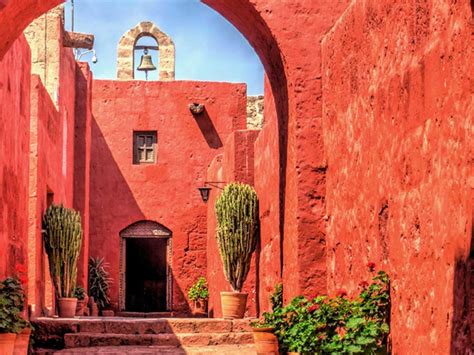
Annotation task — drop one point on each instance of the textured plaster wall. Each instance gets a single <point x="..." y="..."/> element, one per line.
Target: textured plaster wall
<point x="235" y="164"/>
<point x="82" y="160"/>
<point x="266" y="177"/>
<point x="52" y="142"/>
<point x="14" y="149"/>
<point x="398" y="130"/>
<point x="166" y="192"/>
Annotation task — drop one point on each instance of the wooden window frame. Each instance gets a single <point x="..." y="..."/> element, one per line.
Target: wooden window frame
<point x="145" y="147"/>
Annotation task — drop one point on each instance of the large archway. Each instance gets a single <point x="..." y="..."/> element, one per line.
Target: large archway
<point x="288" y="46"/>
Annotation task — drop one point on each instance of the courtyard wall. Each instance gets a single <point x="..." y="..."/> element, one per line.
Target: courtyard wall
<point x="398" y="130"/>
<point x="122" y="193"/>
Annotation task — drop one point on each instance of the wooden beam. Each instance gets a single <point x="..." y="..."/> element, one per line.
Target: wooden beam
<point x="78" y="40"/>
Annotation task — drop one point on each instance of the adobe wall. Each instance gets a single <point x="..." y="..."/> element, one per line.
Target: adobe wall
<point x="235" y="164"/>
<point x="122" y="193"/>
<point x="267" y="175"/>
<point x="82" y="161"/>
<point x="14" y="156"/>
<point x="52" y="143"/>
<point x="398" y="130"/>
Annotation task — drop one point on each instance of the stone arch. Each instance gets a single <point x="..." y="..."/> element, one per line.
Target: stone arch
<point x="152" y="230"/>
<point x="125" y="51"/>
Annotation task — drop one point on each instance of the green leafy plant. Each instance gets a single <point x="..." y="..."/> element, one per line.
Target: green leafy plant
<point x="80" y="293"/>
<point x="62" y="234"/>
<point x="335" y="325"/>
<point x="237" y="231"/>
<point x="99" y="282"/>
<point x="199" y="291"/>
<point x="12" y="303"/>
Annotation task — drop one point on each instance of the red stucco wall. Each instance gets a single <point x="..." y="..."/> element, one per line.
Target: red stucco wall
<point x="235" y="164"/>
<point x="165" y="192"/>
<point x="398" y="110"/>
<point x="82" y="161"/>
<point x="14" y="149"/>
<point x="51" y="169"/>
<point x="267" y="174"/>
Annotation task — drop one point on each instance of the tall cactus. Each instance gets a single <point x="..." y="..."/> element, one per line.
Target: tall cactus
<point x="237" y="231"/>
<point x="62" y="234"/>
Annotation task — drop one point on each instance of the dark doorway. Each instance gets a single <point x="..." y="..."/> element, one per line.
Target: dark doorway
<point x="145" y="275"/>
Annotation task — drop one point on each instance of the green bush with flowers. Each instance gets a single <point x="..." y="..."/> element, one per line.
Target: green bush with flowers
<point x="12" y="303"/>
<point x="199" y="291"/>
<point x="335" y="325"/>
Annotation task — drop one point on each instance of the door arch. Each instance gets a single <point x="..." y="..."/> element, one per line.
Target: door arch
<point x="145" y="231"/>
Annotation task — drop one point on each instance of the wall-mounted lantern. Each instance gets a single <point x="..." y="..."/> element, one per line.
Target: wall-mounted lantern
<point x="196" y="108"/>
<point x="206" y="189"/>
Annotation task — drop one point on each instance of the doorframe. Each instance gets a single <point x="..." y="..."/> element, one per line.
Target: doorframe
<point x="158" y="232"/>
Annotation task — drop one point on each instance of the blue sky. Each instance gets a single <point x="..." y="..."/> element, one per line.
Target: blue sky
<point x="208" y="47"/>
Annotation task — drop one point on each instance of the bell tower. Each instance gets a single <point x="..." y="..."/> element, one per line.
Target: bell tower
<point x="128" y="45"/>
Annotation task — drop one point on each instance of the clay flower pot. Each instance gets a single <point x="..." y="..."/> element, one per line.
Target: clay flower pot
<point x="81" y="304"/>
<point x="7" y="343"/>
<point x="67" y="307"/>
<point x="265" y="341"/>
<point x="233" y="304"/>
<point x="22" y="342"/>
<point x="200" y="307"/>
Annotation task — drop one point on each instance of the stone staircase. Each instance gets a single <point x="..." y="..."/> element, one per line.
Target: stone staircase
<point x="124" y="335"/>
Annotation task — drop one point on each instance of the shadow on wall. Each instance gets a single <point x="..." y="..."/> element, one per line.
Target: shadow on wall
<point x="462" y="334"/>
<point x="208" y="130"/>
<point x="112" y="208"/>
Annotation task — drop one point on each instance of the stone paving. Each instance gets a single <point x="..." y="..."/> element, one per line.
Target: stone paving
<point x="124" y="335"/>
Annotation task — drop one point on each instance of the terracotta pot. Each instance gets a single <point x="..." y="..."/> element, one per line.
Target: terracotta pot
<point x="200" y="307"/>
<point x="22" y="342"/>
<point x="265" y="341"/>
<point x="94" y="310"/>
<point x="7" y="343"/>
<point x="67" y="307"/>
<point x="108" y="313"/>
<point x="233" y="304"/>
<point x="81" y="304"/>
<point x="293" y="353"/>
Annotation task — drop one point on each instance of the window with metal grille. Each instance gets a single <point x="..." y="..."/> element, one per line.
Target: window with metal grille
<point x="144" y="147"/>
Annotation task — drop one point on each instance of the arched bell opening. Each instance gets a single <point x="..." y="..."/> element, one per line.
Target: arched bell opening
<point x="146" y="58"/>
<point x="145" y="276"/>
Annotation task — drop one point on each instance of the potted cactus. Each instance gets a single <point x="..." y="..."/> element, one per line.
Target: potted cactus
<point x="199" y="294"/>
<point x="237" y="235"/>
<point x="62" y="234"/>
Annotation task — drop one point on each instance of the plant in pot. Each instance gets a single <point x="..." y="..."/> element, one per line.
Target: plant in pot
<point x="14" y="330"/>
<point x="263" y="330"/>
<point x="199" y="294"/>
<point x="237" y="235"/>
<point x="81" y="296"/>
<point x="99" y="283"/>
<point x="62" y="234"/>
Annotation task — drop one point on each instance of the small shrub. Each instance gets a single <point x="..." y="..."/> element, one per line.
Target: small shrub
<point x="12" y="303"/>
<point x="199" y="291"/>
<point x="80" y="293"/>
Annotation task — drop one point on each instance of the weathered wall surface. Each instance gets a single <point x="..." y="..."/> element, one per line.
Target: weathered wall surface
<point x="255" y="109"/>
<point x="267" y="177"/>
<point x="52" y="142"/>
<point x="14" y="156"/>
<point x="236" y="164"/>
<point x="82" y="161"/>
<point x="166" y="192"/>
<point x="398" y="110"/>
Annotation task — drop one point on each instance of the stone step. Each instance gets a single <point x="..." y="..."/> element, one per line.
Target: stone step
<point x="119" y="325"/>
<point x="82" y="340"/>
<point x="151" y="350"/>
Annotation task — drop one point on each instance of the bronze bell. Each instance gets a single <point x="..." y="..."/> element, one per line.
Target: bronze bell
<point x="146" y="63"/>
